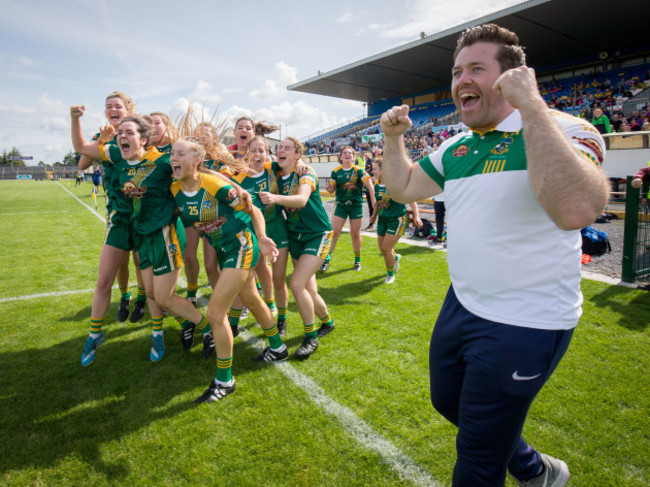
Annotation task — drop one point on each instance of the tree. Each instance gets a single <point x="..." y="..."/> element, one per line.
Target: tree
<point x="71" y="158"/>
<point x="5" y="161"/>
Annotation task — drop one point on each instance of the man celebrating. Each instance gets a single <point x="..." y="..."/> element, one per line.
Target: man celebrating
<point x="517" y="188"/>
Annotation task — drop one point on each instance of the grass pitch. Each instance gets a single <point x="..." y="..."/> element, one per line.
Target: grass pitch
<point x="356" y="413"/>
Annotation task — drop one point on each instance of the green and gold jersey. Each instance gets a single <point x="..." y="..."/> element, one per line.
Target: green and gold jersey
<point x="121" y="208"/>
<point x="214" y="209"/>
<point x="387" y="207"/>
<point x="312" y="218"/>
<point x="145" y="183"/>
<point x="163" y="149"/>
<point x="264" y="181"/>
<point x="218" y="167"/>
<point x="348" y="183"/>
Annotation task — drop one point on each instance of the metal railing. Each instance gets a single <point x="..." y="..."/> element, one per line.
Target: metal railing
<point x="636" y="236"/>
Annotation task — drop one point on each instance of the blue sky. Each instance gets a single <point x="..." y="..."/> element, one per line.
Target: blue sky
<point x="236" y="56"/>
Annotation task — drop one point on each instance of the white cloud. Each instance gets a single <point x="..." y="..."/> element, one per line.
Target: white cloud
<point x="424" y="16"/>
<point x="204" y="93"/>
<point x="268" y="92"/>
<point x="53" y="115"/>
<point x="200" y="111"/>
<point x="345" y="17"/>
<point x="230" y="90"/>
<point x="23" y="61"/>
<point x="286" y="74"/>
<point x="298" y="118"/>
<point x="274" y="89"/>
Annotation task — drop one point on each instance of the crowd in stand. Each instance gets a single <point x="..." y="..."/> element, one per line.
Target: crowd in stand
<point x="600" y="101"/>
<point x="419" y="142"/>
<point x="593" y="98"/>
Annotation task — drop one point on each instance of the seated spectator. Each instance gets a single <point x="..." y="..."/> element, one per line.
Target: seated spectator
<point x="635" y="121"/>
<point x="646" y="125"/>
<point x="601" y="122"/>
<point x="616" y="122"/>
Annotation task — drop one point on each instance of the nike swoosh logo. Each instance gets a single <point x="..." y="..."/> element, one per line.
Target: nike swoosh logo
<point x="516" y="376"/>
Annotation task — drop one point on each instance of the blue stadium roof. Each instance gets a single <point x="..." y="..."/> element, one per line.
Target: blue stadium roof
<point x="557" y="34"/>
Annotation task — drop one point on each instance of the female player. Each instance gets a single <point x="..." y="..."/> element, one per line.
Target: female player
<point x="348" y="181"/>
<point x="207" y="135"/>
<point x="310" y="234"/>
<point x="118" y="242"/>
<point x="213" y="207"/>
<point x="163" y="133"/>
<point x="245" y="129"/>
<point x="262" y="178"/>
<point x="392" y="221"/>
<point x="117" y="106"/>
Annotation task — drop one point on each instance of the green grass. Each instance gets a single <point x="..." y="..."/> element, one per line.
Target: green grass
<point x="126" y="421"/>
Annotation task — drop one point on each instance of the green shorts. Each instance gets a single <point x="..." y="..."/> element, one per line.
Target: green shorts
<point x="349" y="209"/>
<point x="317" y="244"/>
<point x="391" y="226"/>
<point x="239" y="253"/>
<point x="119" y="234"/>
<point x="162" y="249"/>
<point x="276" y="230"/>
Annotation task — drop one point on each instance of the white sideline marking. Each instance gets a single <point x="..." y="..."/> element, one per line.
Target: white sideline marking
<point x="88" y="207"/>
<point x="37" y="212"/>
<point x="49" y="295"/>
<point x="406" y="468"/>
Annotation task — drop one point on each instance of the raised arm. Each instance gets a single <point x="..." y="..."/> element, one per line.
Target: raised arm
<point x="406" y="181"/>
<point x="89" y="149"/>
<point x="572" y="190"/>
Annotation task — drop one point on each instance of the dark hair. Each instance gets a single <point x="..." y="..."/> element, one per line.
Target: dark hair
<point x="143" y="124"/>
<point x="260" y="128"/>
<point x="510" y="54"/>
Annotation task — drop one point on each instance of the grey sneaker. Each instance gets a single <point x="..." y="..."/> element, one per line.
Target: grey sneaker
<point x="555" y="474"/>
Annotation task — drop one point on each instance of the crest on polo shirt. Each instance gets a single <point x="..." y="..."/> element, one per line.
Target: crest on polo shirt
<point x="503" y="146"/>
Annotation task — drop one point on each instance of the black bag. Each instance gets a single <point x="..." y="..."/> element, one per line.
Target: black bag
<point x="425" y="230"/>
<point x="594" y="242"/>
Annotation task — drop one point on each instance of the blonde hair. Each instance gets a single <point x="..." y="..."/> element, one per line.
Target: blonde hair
<point x="126" y="99"/>
<point x="195" y="146"/>
<point x="171" y="130"/>
<point x="190" y="125"/>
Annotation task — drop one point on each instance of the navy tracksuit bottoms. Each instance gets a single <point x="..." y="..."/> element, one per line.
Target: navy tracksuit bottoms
<point x="484" y="376"/>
